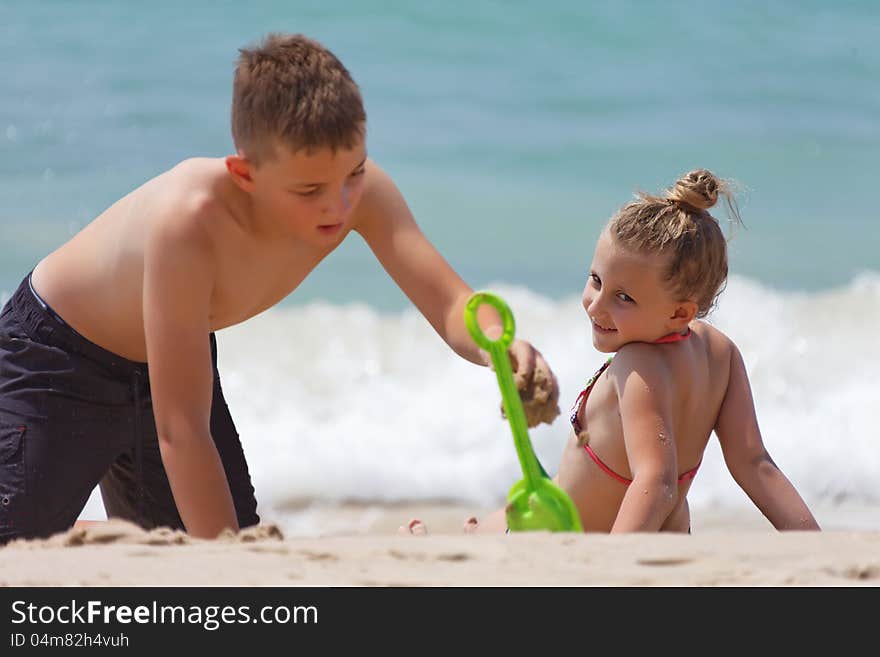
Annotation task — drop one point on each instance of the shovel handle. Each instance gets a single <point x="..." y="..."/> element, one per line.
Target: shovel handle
<point x="497" y="349"/>
<point x="470" y="319"/>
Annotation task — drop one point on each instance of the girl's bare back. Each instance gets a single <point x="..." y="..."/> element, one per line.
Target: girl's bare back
<point x="697" y="371"/>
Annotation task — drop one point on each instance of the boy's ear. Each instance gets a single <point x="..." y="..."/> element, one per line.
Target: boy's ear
<point x="684" y="314"/>
<point x="241" y="169"/>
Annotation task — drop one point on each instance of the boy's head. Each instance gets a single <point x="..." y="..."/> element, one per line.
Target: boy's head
<point x="290" y="91"/>
<point x="678" y="227"/>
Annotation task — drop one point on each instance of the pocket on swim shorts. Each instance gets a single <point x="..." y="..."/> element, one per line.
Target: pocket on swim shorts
<point x="12" y="493"/>
<point x="11" y="444"/>
<point x="12" y="335"/>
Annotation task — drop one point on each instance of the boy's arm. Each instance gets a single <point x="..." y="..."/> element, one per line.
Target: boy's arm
<point x="178" y="280"/>
<point x="650" y="446"/>
<point x="387" y="225"/>
<point x="747" y="458"/>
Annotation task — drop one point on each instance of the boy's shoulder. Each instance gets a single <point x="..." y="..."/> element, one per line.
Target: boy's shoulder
<point x="195" y="182"/>
<point x="381" y="202"/>
<point x="188" y="194"/>
<point x="184" y="210"/>
<point x="378" y="186"/>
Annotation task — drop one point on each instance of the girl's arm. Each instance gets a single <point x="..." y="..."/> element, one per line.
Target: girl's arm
<point x="747" y="458"/>
<point x="643" y="394"/>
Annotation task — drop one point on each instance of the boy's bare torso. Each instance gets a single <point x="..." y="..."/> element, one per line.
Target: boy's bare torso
<point x="697" y="371"/>
<point x="95" y="280"/>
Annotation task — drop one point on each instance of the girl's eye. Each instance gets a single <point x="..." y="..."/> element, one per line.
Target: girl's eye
<point x="357" y="173"/>
<point x="596" y="280"/>
<point x="623" y="296"/>
<point x="310" y="192"/>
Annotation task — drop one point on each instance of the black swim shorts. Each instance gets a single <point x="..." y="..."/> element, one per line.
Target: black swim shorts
<point x="74" y="415"/>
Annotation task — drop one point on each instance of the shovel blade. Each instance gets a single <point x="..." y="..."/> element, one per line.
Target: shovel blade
<point x="544" y="507"/>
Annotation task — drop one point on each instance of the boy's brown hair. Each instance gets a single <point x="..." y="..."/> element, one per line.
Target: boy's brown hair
<point x="678" y="225"/>
<point x="291" y="89"/>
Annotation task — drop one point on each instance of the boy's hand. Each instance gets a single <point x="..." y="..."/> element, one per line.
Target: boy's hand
<point x="535" y="382"/>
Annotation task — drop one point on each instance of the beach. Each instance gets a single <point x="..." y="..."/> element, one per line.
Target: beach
<point x="733" y="550"/>
<point x="513" y="134"/>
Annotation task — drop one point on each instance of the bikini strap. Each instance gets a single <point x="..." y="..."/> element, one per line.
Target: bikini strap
<point x="674" y="337"/>
<point x="584" y="393"/>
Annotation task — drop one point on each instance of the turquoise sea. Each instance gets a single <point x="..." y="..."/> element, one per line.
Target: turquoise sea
<point x="514" y="130"/>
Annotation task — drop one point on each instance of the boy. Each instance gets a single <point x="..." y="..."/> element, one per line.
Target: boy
<point x="205" y="245"/>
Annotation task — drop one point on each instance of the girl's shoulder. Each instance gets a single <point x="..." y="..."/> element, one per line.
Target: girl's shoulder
<point x="715" y="340"/>
<point x="642" y="358"/>
<point x="653" y="363"/>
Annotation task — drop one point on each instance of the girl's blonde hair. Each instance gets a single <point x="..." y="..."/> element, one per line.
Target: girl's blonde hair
<point x="678" y="225"/>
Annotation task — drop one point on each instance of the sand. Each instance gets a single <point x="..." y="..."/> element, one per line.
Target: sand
<point x="735" y="550"/>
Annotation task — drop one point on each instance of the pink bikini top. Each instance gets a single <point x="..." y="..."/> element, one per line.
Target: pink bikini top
<point x="582" y="399"/>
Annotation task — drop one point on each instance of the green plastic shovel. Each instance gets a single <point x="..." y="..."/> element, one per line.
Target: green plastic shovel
<point x="534" y="502"/>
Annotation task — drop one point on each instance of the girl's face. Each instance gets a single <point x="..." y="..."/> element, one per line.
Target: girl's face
<point x="627" y="300"/>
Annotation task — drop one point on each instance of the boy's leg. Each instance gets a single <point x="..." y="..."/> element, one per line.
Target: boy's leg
<point x="48" y="468"/>
<point x="120" y="486"/>
<point x="57" y="425"/>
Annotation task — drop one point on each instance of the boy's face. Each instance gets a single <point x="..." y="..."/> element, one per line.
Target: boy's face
<point x="626" y="299"/>
<point x="310" y="195"/>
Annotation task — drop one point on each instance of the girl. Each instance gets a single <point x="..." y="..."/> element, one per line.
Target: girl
<point x="642" y="422"/>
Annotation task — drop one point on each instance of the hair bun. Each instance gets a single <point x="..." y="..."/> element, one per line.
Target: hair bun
<point x="699" y="189"/>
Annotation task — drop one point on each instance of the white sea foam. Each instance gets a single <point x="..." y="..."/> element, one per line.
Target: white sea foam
<point x="342" y="403"/>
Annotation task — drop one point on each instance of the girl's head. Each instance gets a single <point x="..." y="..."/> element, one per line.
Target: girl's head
<point x="660" y="262"/>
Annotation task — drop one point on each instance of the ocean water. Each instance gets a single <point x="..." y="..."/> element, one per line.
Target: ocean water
<point x="514" y="130"/>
